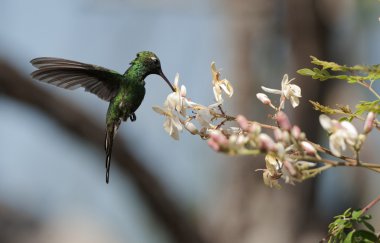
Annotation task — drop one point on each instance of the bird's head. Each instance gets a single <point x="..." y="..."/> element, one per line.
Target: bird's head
<point x="151" y="64"/>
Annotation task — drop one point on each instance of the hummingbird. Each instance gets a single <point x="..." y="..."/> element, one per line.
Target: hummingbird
<point x="124" y="92"/>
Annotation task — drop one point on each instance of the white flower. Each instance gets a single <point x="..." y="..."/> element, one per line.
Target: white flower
<point x="204" y="118"/>
<point x="220" y="85"/>
<point x="172" y="124"/>
<point x="341" y="134"/>
<point x="289" y="91"/>
<point x="176" y="100"/>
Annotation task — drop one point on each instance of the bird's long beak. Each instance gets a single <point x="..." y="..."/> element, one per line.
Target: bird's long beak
<point x="166" y="79"/>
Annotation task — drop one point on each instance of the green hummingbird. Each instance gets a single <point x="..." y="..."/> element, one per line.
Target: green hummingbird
<point x="124" y="92"/>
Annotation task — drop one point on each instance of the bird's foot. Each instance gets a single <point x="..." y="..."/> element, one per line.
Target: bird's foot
<point x="132" y="117"/>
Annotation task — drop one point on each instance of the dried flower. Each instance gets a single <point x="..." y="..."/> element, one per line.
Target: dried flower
<point x="272" y="172"/>
<point x="220" y="85"/>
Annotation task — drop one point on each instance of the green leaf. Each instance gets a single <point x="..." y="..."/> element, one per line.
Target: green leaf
<point x="349" y="236"/>
<point x="364" y="236"/>
<point x="367" y="106"/>
<point x="306" y="72"/>
<point x="344" y="77"/>
<point x="369" y="226"/>
<point x="356" y="214"/>
<point x="347" y="212"/>
<point x="344" y="229"/>
<point x="328" y="65"/>
<point x="352" y="74"/>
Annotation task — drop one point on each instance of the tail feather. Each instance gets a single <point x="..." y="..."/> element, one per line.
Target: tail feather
<point x="110" y="134"/>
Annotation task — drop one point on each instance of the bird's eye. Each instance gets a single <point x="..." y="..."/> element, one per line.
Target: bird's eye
<point x="155" y="60"/>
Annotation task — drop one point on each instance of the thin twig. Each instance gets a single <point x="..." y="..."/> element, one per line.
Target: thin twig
<point x="371" y="204"/>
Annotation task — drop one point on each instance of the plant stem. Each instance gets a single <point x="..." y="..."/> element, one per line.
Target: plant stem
<point x="371" y="204"/>
<point x="369" y="87"/>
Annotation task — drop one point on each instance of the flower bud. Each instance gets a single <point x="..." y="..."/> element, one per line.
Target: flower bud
<point x="368" y="124"/>
<point x="309" y="149"/>
<point x="289" y="166"/>
<point x="277" y="134"/>
<point x="263" y="98"/>
<point x="219" y="138"/>
<point x="266" y="142"/>
<point x="213" y="144"/>
<point x="283" y="121"/>
<point x="231" y="130"/>
<point x="191" y="128"/>
<point x="254" y="128"/>
<point x="360" y="141"/>
<point x="243" y="122"/>
<point x="304" y="165"/>
<point x="296" y="132"/>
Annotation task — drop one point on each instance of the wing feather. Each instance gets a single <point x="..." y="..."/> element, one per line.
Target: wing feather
<point x="71" y="75"/>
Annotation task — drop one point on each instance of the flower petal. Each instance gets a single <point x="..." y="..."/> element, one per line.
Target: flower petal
<point x="351" y="130"/>
<point x="337" y="143"/>
<point x="326" y="122"/>
<point x="227" y="87"/>
<point x="175" y="134"/>
<point x="272" y="91"/>
<point x="217" y="94"/>
<point x="203" y="117"/>
<point x="176" y="79"/>
<point x="294" y="101"/>
<point x="295" y="90"/>
<point x="285" y="82"/>
<point x="159" y="110"/>
<point x="214" y="72"/>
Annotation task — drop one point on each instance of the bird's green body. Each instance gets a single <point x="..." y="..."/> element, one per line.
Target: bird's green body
<point x="130" y="94"/>
<point x="127" y="100"/>
<point x="125" y="92"/>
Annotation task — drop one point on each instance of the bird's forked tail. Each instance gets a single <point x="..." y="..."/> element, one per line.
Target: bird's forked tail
<point x="110" y="134"/>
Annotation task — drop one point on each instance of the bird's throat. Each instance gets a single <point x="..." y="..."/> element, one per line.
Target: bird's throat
<point x="137" y="72"/>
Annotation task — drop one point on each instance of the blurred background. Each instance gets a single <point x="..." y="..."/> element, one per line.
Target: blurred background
<point x="52" y="176"/>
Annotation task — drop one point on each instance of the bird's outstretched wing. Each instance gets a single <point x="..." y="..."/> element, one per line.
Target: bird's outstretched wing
<point x="69" y="74"/>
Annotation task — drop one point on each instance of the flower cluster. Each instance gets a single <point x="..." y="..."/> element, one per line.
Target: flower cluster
<point x="288" y="153"/>
<point x="181" y="112"/>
